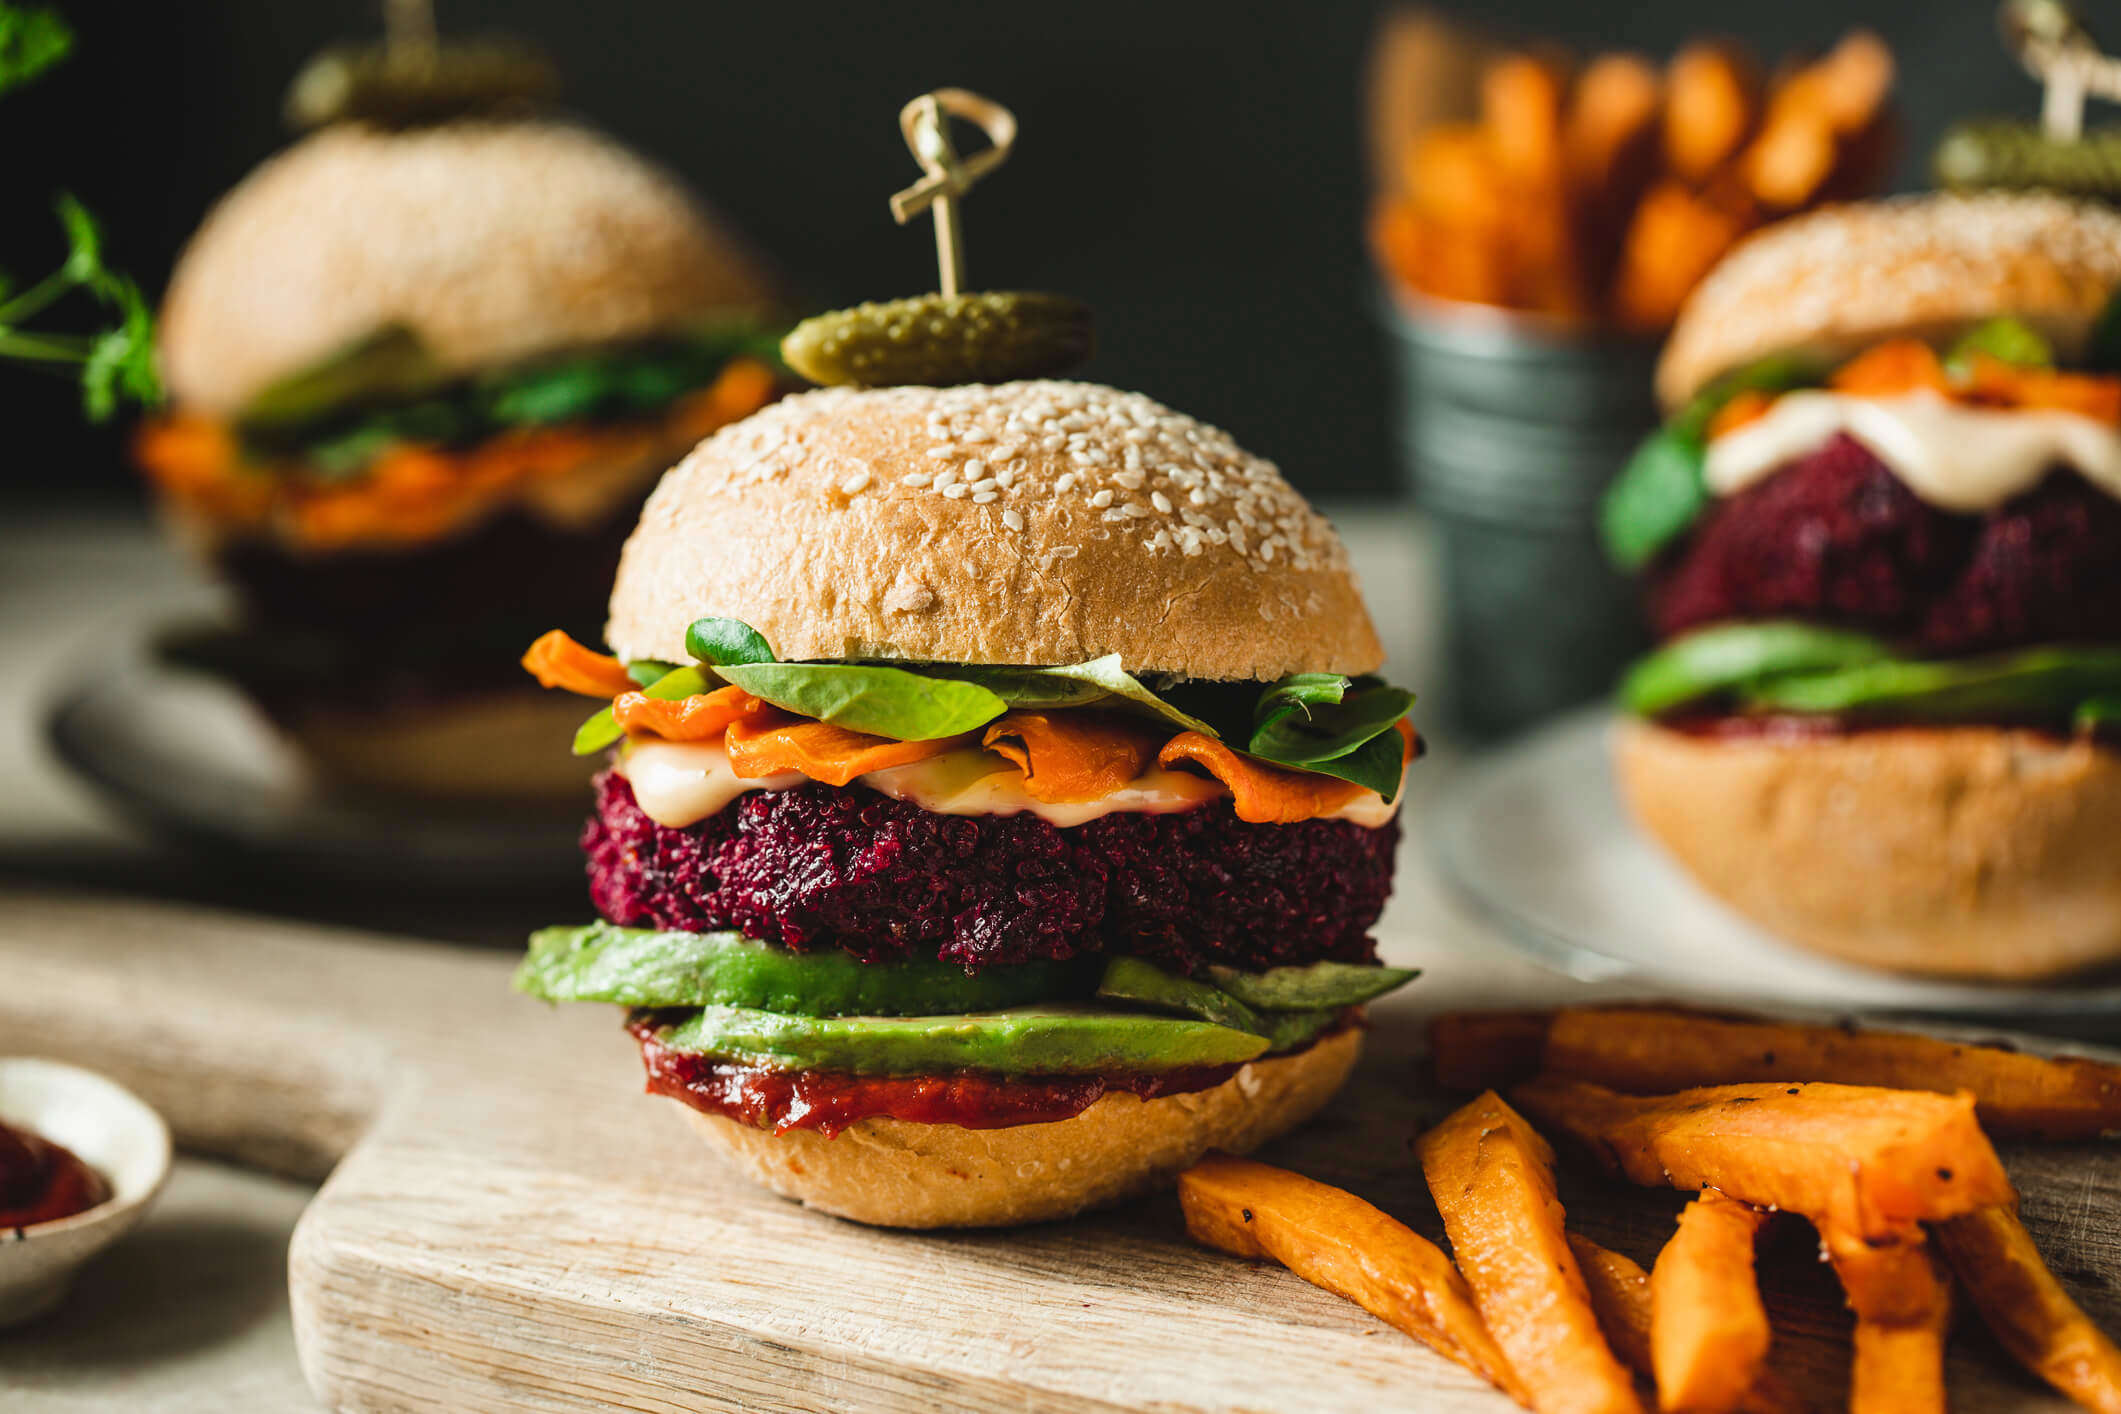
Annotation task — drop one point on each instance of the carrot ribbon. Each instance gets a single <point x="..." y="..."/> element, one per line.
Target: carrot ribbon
<point x="556" y="660"/>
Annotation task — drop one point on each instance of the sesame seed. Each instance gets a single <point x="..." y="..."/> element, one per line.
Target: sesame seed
<point x="981" y="498"/>
<point x="1046" y="442"/>
<point x="1012" y="520"/>
<point x="856" y="484"/>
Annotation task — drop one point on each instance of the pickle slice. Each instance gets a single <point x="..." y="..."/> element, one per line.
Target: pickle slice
<point x="2012" y="156"/>
<point x="938" y="340"/>
<point x="458" y="79"/>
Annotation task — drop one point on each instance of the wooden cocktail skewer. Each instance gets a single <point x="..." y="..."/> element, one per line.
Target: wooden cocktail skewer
<point x="2055" y="48"/>
<point x="926" y="124"/>
<point x="409" y="33"/>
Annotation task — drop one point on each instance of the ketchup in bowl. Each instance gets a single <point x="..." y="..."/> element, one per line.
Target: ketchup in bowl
<point x="41" y="1182"/>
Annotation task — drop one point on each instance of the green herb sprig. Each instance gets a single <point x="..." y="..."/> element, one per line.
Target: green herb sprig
<point x="115" y="362"/>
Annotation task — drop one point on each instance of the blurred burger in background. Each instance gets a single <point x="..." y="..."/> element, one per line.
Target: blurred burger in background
<point x="423" y="367"/>
<point x="1881" y="536"/>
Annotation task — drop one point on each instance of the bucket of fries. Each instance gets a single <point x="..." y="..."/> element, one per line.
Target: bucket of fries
<point x="1539" y="221"/>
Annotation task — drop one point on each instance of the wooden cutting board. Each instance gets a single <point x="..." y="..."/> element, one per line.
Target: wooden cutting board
<point x="509" y="1223"/>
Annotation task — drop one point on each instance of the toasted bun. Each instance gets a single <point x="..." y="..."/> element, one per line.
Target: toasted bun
<point x="494" y="747"/>
<point x="492" y="241"/>
<point x="895" y="1173"/>
<point x="1953" y="851"/>
<point x="1843" y="278"/>
<point x="1096" y="522"/>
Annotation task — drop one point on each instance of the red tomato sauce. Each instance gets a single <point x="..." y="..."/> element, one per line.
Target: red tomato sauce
<point x="41" y="1182"/>
<point x="830" y="1100"/>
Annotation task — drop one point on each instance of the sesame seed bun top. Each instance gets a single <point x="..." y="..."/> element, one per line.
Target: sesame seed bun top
<point x="493" y="241"/>
<point x="1031" y="523"/>
<point x="1845" y="277"/>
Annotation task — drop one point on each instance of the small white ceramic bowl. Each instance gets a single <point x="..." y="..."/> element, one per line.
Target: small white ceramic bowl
<point x="115" y="1133"/>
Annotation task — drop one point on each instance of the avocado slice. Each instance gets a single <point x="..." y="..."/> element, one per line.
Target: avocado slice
<point x="1330" y="985"/>
<point x="643" y="967"/>
<point x="1736" y="656"/>
<point x="2039" y="681"/>
<point x="1133" y="980"/>
<point x="1130" y="979"/>
<point x="1033" y="1040"/>
<point x="389" y="365"/>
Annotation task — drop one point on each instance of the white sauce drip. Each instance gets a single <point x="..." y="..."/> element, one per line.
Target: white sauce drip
<point x="681" y="783"/>
<point x="1954" y="457"/>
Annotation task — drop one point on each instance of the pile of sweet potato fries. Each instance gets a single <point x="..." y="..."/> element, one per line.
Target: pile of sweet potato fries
<point x="1602" y="195"/>
<point x="1878" y="1139"/>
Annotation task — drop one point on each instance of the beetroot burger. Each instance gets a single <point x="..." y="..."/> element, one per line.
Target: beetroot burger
<point x="1882" y="542"/>
<point x="1000" y="804"/>
<point x="422" y="378"/>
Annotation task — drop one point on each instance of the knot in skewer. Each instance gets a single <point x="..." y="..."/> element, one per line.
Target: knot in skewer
<point x="2055" y="47"/>
<point x="926" y="125"/>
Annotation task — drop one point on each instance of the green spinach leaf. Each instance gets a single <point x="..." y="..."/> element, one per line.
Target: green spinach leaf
<point x="724" y="641"/>
<point x="893" y="702"/>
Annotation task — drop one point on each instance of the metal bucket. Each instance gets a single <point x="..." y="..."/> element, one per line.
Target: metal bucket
<point x="1509" y="432"/>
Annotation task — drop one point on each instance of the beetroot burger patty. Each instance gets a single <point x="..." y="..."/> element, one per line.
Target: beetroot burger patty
<point x="1835" y="537"/>
<point x="820" y="867"/>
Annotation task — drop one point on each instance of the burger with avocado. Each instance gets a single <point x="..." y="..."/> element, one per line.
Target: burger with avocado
<point x="1000" y="803"/>
<point x="1881" y="540"/>
<point x="422" y="377"/>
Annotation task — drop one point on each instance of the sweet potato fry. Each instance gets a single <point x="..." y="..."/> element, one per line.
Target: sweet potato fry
<point x="1493" y="1180"/>
<point x="1903" y="1304"/>
<point x="1333" y="1239"/>
<point x="1791" y="160"/>
<point x="1520" y="106"/>
<point x="1487" y="1050"/>
<point x="2033" y="1317"/>
<point x="1612" y="115"/>
<point x="1620" y="1294"/>
<point x="1811" y="116"/>
<point x="1847" y="88"/>
<point x="1708" y="1330"/>
<point x="1676" y="235"/>
<point x="1653" y="1050"/>
<point x="1866" y="1160"/>
<point x="1454" y="179"/>
<point x="1712" y="101"/>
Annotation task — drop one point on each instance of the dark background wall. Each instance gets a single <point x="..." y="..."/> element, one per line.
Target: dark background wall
<point x="1194" y="167"/>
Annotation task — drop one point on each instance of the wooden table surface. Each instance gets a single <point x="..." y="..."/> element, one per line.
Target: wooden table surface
<point x="317" y="1080"/>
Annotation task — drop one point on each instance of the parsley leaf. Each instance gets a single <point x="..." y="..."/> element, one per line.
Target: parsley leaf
<point x="31" y="41"/>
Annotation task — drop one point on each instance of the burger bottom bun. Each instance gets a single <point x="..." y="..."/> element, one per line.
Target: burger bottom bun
<point x="508" y="747"/>
<point x="1972" y="852"/>
<point x="896" y="1173"/>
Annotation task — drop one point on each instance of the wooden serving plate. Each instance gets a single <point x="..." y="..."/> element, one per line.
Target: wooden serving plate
<point x="509" y="1223"/>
